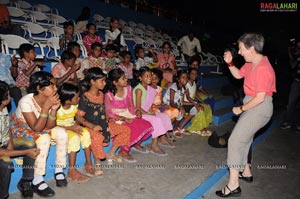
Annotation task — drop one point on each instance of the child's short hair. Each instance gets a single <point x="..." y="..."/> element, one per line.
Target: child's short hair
<point x="192" y="69"/>
<point x="110" y="47"/>
<point x="193" y="59"/>
<point x="68" y="23"/>
<point x="66" y="55"/>
<point x="3" y="91"/>
<point x="124" y="53"/>
<point x="89" y="25"/>
<point x="71" y="45"/>
<point x="137" y="49"/>
<point x="25" y="48"/>
<point x="96" y="44"/>
<point x="66" y="92"/>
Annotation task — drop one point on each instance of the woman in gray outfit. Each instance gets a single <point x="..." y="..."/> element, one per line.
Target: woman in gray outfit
<point x="256" y="111"/>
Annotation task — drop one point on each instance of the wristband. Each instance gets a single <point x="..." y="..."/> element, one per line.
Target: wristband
<point x="241" y="108"/>
<point x="52" y="117"/>
<point x="43" y="115"/>
<point x="231" y="64"/>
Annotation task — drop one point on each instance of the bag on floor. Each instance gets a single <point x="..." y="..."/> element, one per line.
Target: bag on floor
<point x="218" y="141"/>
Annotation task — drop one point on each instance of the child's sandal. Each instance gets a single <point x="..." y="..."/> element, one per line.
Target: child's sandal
<point x="98" y="170"/>
<point x="89" y="170"/>
<point x="77" y="177"/>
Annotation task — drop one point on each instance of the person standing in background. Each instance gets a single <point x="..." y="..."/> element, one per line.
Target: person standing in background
<point x="189" y="46"/>
<point x="82" y="20"/>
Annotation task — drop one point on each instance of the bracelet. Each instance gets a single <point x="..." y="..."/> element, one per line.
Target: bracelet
<point x="52" y="117"/>
<point x="241" y="108"/>
<point x="231" y="64"/>
<point x="43" y="115"/>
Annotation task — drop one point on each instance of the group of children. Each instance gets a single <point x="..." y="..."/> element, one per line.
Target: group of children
<point x="89" y="102"/>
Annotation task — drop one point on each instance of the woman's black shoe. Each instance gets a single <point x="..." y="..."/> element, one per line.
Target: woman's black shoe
<point x="248" y="179"/>
<point x="235" y="193"/>
<point x="45" y="193"/>
<point x="62" y="182"/>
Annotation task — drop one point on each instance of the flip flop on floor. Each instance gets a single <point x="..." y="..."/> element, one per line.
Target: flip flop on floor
<point x="128" y="158"/>
<point x="140" y="149"/>
<point x="158" y="152"/>
<point x="184" y="132"/>
<point x="177" y="134"/>
<point x="167" y="144"/>
<point x="114" y="158"/>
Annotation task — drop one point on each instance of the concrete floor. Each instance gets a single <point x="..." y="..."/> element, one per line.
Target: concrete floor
<point x="188" y="166"/>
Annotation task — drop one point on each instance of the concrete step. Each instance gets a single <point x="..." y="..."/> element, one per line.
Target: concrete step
<point x="223" y="101"/>
<point x="222" y="115"/>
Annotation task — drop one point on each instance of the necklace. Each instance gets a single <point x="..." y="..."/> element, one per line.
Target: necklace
<point x="166" y="65"/>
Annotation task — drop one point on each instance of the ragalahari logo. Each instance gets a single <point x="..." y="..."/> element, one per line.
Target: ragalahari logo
<point x="278" y="7"/>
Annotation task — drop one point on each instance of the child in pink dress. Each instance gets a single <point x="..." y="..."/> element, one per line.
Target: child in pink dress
<point x="91" y="37"/>
<point x="143" y="96"/>
<point x="119" y="106"/>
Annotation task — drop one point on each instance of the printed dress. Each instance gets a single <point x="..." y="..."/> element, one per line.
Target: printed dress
<point x="116" y="106"/>
<point x="92" y="109"/>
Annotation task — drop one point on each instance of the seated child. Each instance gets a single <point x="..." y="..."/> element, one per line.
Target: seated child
<point x="74" y="48"/>
<point x="68" y="35"/>
<point x="91" y="37"/>
<point x="65" y="70"/>
<point x="127" y="66"/>
<point x="95" y="59"/>
<point x="69" y="97"/>
<point x="203" y="119"/>
<point x="26" y="66"/>
<point x="143" y="60"/>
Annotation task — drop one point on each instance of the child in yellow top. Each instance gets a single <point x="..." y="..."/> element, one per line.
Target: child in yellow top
<point x="69" y="97"/>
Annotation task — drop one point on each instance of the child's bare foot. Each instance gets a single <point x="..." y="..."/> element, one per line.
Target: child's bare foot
<point x="77" y="177"/>
<point x="89" y="170"/>
<point x="158" y="151"/>
<point x="127" y="157"/>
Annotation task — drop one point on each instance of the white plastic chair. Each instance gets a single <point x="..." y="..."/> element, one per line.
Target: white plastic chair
<point x="123" y="23"/>
<point x="56" y="31"/>
<point x="97" y="19"/>
<point x="53" y="44"/>
<point x="23" y="5"/>
<point x="149" y="34"/>
<point x="16" y="12"/>
<point x="151" y="28"/>
<point x="104" y="23"/>
<point x="139" y="41"/>
<point x="167" y="37"/>
<point x="56" y="19"/>
<point x="33" y="30"/>
<point x="38" y="17"/>
<point x="139" y="32"/>
<point x="157" y="36"/>
<point x="150" y="43"/>
<point x="42" y="8"/>
<point x="128" y="32"/>
<point x="132" y="24"/>
<point x="141" y="26"/>
<point x="11" y="44"/>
